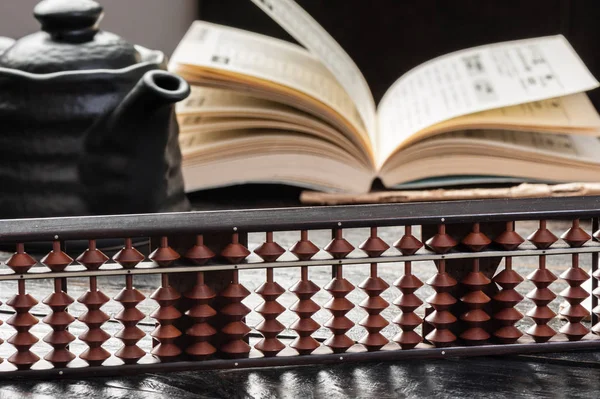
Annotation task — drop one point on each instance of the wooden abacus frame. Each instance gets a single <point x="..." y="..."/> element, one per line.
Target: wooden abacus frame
<point x="462" y="319"/>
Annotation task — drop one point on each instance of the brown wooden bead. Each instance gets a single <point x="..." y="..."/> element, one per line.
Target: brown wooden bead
<point x="270" y="327"/>
<point x="542" y="238"/>
<point x="442" y="242"/>
<point x="269" y="251"/>
<point x="235" y="252"/>
<point x="236" y="329"/>
<point x="94" y="318"/>
<point x="476" y="240"/>
<point x="22" y="321"/>
<point x="199" y="253"/>
<point x="574" y="295"/>
<point x="374" y="304"/>
<point x="164" y="255"/>
<point x="408" y="244"/>
<point x="166" y="314"/>
<point x="305" y="308"/>
<point x="374" y="246"/>
<point x="59" y="320"/>
<point x="509" y="239"/>
<point x="541" y="296"/>
<point x="200" y="313"/>
<point x="506" y="300"/>
<point x="92" y="258"/>
<point x="129" y="317"/>
<point x="475" y="300"/>
<point x="304" y="249"/>
<point x="128" y="257"/>
<point x="575" y="237"/>
<point x="20" y="261"/>
<point x="56" y="260"/>
<point x="408" y="302"/>
<point x="441" y="318"/>
<point x="338" y="306"/>
<point x="338" y="247"/>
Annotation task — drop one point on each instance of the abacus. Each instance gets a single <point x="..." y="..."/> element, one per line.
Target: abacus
<point x="202" y="318"/>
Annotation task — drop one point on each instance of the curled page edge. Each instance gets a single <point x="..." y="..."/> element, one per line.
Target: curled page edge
<point x="308" y="32"/>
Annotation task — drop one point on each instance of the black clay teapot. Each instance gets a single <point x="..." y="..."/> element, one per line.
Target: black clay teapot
<point x="86" y="120"/>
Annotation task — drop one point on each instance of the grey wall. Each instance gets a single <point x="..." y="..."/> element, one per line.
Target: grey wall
<point x="157" y="24"/>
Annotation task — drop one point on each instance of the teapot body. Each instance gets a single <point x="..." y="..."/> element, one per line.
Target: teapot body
<point x="87" y="120"/>
<point x="45" y="121"/>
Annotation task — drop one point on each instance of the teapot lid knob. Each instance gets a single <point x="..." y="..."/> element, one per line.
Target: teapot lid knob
<point x="73" y="21"/>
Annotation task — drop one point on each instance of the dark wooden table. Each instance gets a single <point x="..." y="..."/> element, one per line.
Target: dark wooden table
<point x="574" y="375"/>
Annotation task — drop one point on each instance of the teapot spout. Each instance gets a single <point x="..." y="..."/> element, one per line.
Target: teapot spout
<point x="5" y="43"/>
<point x="155" y="90"/>
<point x="132" y="161"/>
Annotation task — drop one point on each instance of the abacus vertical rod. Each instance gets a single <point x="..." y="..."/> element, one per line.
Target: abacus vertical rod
<point x="595" y="227"/>
<point x="304" y="272"/>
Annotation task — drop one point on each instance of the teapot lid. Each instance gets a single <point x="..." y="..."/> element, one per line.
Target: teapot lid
<point x="69" y="40"/>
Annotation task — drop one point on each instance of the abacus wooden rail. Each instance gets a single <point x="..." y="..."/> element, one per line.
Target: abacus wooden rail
<point x="471" y="312"/>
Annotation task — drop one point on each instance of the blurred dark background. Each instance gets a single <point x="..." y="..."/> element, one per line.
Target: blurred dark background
<point x="388" y="37"/>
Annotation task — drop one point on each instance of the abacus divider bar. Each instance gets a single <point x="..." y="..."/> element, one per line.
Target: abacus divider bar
<point x="150" y="268"/>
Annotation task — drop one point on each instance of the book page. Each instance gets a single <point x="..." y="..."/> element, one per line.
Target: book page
<point x="223" y="49"/>
<point x="487" y="156"/>
<point x="207" y="108"/>
<point x="478" y="79"/>
<point x="302" y="27"/>
<point x="569" y="114"/>
<point x="546" y="144"/>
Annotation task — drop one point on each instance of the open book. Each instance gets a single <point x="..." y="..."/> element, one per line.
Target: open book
<point x="266" y="110"/>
